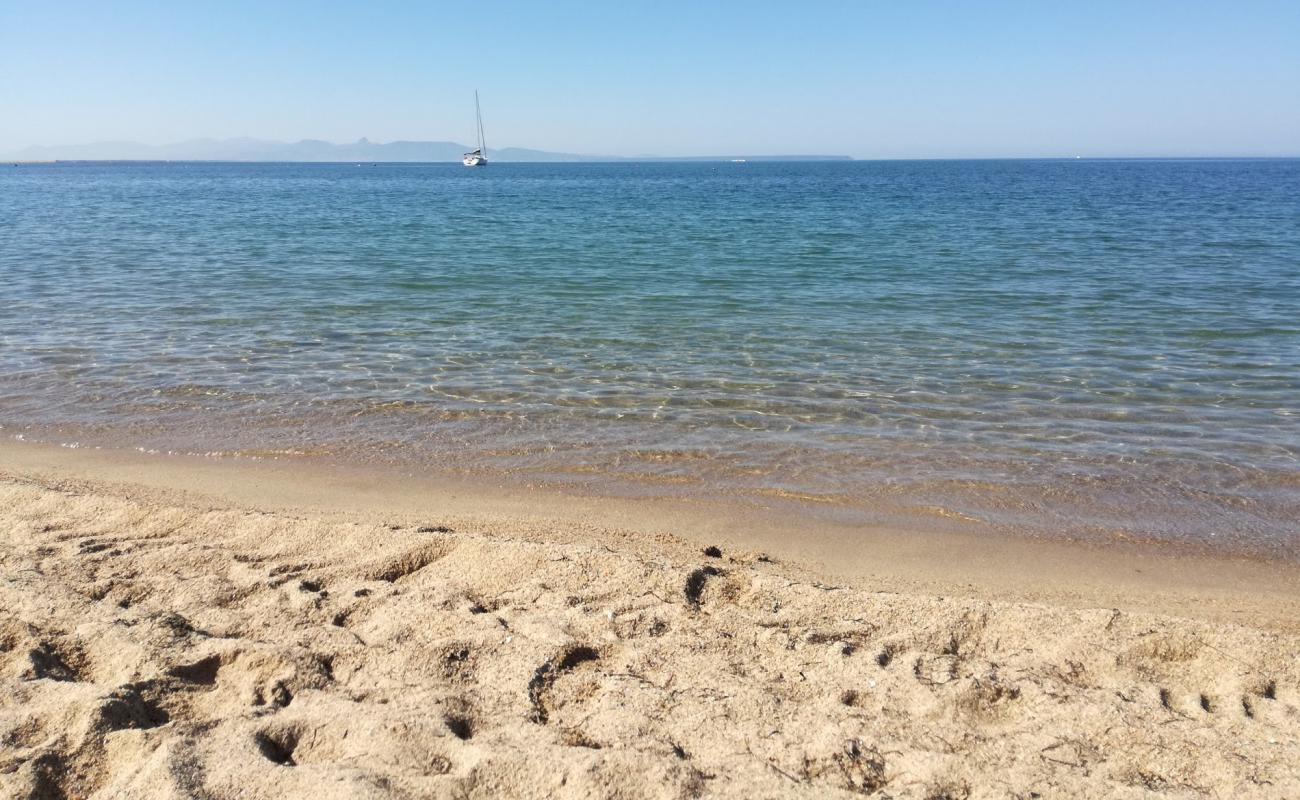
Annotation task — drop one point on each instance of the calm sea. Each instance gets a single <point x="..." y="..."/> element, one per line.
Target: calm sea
<point x="1085" y="348"/>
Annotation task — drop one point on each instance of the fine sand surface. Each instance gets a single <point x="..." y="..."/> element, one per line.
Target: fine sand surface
<point x="175" y="631"/>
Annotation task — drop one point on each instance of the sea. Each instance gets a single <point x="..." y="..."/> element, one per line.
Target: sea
<point x="1096" y="349"/>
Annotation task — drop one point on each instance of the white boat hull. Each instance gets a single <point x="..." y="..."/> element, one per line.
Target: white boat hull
<point x="474" y="161"/>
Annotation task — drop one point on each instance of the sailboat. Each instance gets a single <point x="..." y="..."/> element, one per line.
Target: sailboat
<point x="477" y="157"/>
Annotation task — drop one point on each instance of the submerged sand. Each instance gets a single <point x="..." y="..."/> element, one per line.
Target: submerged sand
<point x="165" y="644"/>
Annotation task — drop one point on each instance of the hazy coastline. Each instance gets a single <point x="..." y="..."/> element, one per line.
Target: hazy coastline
<point x="319" y="151"/>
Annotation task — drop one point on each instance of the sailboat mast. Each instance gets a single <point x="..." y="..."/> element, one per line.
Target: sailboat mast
<point x="478" y="116"/>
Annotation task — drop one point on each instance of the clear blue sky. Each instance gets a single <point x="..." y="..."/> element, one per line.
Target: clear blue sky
<point x="621" y="77"/>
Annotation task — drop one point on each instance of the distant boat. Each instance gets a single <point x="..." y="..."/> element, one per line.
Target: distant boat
<point x="477" y="157"/>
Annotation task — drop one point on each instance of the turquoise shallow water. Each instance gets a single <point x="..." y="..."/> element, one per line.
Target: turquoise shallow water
<point x="1075" y="347"/>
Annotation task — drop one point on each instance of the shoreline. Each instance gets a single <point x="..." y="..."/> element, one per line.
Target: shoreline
<point x="172" y="628"/>
<point x="1175" y="515"/>
<point x="1145" y="577"/>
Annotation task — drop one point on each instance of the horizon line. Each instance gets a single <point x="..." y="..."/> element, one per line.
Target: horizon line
<point x="25" y="154"/>
<point x="784" y="158"/>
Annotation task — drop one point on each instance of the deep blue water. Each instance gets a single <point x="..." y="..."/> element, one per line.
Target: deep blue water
<point x="1086" y="347"/>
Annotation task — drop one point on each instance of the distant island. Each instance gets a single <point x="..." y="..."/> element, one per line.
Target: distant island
<point x="317" y="150"/>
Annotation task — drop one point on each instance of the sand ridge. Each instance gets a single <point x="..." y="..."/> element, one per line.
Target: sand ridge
<point x="152" y="647"/>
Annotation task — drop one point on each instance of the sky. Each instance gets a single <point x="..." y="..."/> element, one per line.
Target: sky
<point x="916" y="79"/>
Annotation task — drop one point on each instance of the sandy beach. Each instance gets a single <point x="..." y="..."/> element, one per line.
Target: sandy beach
<point x="184" y="628"/>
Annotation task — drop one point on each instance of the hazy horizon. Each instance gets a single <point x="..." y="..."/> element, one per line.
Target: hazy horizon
<point x="1000" y="80"/>
<point x="364" y="149"/>
<point x="254" y="150"/>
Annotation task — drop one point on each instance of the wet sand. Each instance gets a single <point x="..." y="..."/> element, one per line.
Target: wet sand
<point x="175" y="627"/>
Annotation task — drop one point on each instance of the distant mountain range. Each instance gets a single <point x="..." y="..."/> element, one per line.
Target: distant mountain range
<point x="317" y="150"/>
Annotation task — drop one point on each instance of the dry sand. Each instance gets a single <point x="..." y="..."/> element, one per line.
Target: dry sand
<point x="160" y="641"/>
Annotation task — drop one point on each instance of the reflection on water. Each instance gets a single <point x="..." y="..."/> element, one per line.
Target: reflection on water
<point x="1074" y="347"/>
